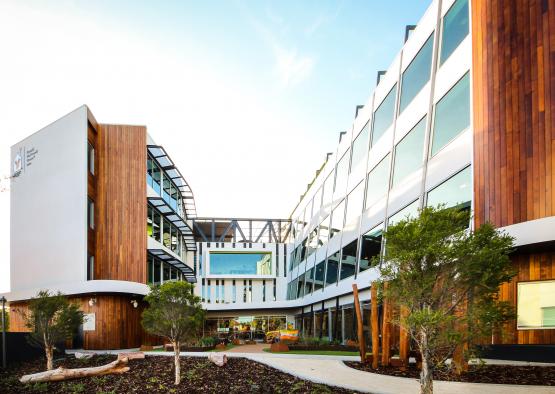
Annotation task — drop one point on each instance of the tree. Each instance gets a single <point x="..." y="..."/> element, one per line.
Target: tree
<point x="174" y="313"/>
<point x="7" y="317"/>
<point x="51" y="319"/>
<point x="447" y="277"/>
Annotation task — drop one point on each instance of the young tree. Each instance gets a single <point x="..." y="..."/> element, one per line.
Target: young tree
<point x="174" y="313"/>
<point x="51" y="319"/>
<point x="447" y="277"/>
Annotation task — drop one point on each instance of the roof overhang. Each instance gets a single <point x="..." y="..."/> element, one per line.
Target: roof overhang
<point x="175" y="262"/>
<point x="162" y="158"/>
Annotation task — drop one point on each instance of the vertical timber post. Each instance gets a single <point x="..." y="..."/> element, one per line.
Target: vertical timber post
<point x="386" y="330"/>
<point x="404" y="340"/>
<point x="375" y="325"/>
<point x="4" y="365"/>
<point x="360" y="327"/>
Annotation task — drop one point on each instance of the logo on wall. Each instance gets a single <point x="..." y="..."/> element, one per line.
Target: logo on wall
<point x="17" y="164"/>
<point x="23" y="159"/>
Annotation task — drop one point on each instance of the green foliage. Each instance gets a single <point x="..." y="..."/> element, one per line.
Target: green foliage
<point x="39" y="387"/>
<point x="317" y="341"/>
<point x="74" y="388"/>
<point x="207" y="341"/>
<point x="52" y="318"/>
<point x="447" y="277"/>
<point x="173" y="312"/>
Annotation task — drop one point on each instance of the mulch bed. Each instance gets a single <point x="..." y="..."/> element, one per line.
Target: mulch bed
<point x="501" y="374"/>
<point x="155" y="374"/>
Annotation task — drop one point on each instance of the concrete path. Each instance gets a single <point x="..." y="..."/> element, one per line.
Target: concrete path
<point x="258" y="348"/>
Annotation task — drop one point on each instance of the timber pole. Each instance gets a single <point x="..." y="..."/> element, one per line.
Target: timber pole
<point x="386" y="330"/>
<point x="375" y="326"/>
<point x="360" y="327"/>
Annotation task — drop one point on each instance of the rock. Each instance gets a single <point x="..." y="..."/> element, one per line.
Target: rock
<point x="80" y="355"/>
<point x="220" y="359"/>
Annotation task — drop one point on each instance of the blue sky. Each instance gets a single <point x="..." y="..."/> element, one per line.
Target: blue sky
<point x="246" y="96"/>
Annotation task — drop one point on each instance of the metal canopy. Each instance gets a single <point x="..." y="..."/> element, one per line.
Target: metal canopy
<point x="168" y="212"/>
<point x="173" y="261"/>
<point x="161" y="157"/>
<point x="241" y="230"/>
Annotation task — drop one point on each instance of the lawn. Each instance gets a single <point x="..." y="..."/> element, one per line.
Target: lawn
<point x="317" y="352"/>
<point x="154" y="374"/>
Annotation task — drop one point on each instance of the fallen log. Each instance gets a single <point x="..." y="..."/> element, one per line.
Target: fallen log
<point x="218" y="358"/>
<point x="115" y="367"/>
<point x="131" y="356"/>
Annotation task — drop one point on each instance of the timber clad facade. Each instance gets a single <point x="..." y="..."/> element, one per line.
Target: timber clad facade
<point x="464" y="116"/>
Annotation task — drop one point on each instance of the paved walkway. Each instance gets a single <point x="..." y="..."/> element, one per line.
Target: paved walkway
<point x="332" y="371"/>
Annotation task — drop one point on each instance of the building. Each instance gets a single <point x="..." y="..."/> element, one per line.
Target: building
<point x="81" y="194"/>
<point x="463" y="116"/>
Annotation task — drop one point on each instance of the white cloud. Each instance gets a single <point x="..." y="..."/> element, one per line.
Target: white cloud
<point x="292" y="67"/>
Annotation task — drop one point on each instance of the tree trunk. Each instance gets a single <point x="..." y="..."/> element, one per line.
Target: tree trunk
<point x="49" y="357"/>
<point x="426" y="382"/>
<point x="176" y="346"/>
<point x="119" y="366"/>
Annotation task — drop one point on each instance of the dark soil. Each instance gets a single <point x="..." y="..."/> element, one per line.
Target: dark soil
<point x="501" y="374"/>
<point x="155" y="374"/>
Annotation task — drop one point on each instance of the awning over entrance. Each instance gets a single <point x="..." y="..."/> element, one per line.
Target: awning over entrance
<point x="175" y="262"/>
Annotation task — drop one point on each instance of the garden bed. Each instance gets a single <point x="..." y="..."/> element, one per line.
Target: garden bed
<point x="169" y="348"/>
<point x="501" y="374"/>
<point x="154" y="374"/>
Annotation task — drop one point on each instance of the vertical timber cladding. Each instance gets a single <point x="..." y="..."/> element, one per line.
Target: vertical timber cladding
<point x="513" y="51"/>
<point x="121" y="203"/>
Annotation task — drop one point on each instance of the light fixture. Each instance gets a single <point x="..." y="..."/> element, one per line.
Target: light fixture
<point x="134" y="303"/>
<point x="92" y="302"/>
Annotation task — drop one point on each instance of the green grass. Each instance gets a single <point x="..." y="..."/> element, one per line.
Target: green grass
<point x="317" y="352"/>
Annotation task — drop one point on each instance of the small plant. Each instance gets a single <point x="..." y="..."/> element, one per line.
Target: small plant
<point x="74" y="387"/>
<point x="41" y="387"/>
<point x="97" y="380"/>
<point x="207" y="341"/>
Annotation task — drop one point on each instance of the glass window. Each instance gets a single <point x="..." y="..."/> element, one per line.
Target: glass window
<point x="309" y="280"/>
<point x="90" y="158"/>
<point x="166" y="273"/>
<point x="323" y="234"/>
<point x="327" y="192"/>
<point x="150" y="270"/>
<point x="455" y="28"/>
<point x="156" y="221"/>
<point x="300" y="287"/>
<point x="149" y="220"/>
<point x="173" y="197"/>
<point x="452" y="114"/>
<point x="378" y="182"/>
<point x="370" y="247"/>
<point x="167" y="188"/>
<point x="410" y="210"/>
<point x="341" y="175"/>
<point x="355" y="200"/>
<point x="234" y="292"/>
<point x="174" y="239"/>
<point x="319" y="275"/>
<point x="332" y="268"/>
<point x="149" y="166"/>
<point x="256" y="263"/>
<point x="317" y="201"/>
<point x="90" y="267"/>
<point x="156" y="177"/>
<point x="536" y="304"/>
<point x="312" y="243"/>
<point x="383" y="117"/>
<point x="417" y="74"/>
<point x="157" y="271"/>
<point x="90" y="214"/>
<point x="166" y="234"/>
<point x="337" y="218"/>
<point x="409" y="153"/>
<point x="360" y="147"/>
<point x="455" y="191"/>
<point x="348" y="260"/>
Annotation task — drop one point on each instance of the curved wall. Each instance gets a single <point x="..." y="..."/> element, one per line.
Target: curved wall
<point x="513" y="49"/>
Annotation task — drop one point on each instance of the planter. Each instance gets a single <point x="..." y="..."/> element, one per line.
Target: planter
<point x="279" y="347"/>
<point x="341" y="348"/>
